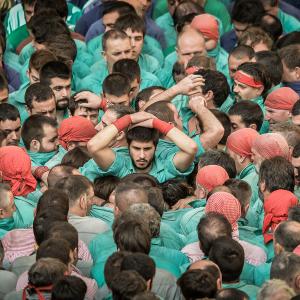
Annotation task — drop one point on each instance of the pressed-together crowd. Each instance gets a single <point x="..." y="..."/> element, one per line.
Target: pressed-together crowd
<point x="150" y="149"/>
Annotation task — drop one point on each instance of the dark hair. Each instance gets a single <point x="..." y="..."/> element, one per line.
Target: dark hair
<point x="58" y="172"/>
<point x="69" y="288"/>
<point x="211" y="227"/>
<point x="272" y="64"/>
<point x="289" y="39"/>
<point x="112" y="35"/>
<point x="296" y="109"/>
<point x="52" y="70"/>
<point x="225" y="121"/>
<point x="116" y="84"/>
<point x="220" y="158"/>
<point x="60" y="6"/>
<point x="38" y="92"/>
<point x="74" y="186"/>
<point x="241" y="51"/>
<point x="29" y="2"/>
<point x="73" y="105"/>
<point x="142" y="134"/>
<point x="33" y="128"/>
<point x="39" y="58"/>
<point x="272" y="26"/>
<point x="240" y="190"/>
<point x="113" y="266"/>
<point x="51" y="200"/>
<point x="129" y="68"/>
<point x="294" y="213"/>
<point x="247" y="11"/>
<point x="290" y="56"/>
<point x="145" y="94"/>
<point x="145" y="296"/>
<point x="277" y="173"/>
<point x="258" y="72"/>
<point x="162" y="111"/>
<point x="42" y="222"/>
<point x="185" y="8"/>
<point x="76" y="157"/>
<point x="175" y="189"/>
<point x="229" y="255"/>
<point x="250" y="113"/>
<point x="121" y="110"/>
<point x="255" y="35"/>
<point x="104" y="186"/>
<point x="185" y="20"/>
<point x="231" y="294"/>
<point x="3" y="82"/>
<point x="8" y="112"/>
<point x="144" y="180"/>
<point x="121" y="7"/>
<point x="54" y="248"/>
<point x="287" y="234"/>
<point x="141" y="263"/>
<point x="196" y="284"/>
<point x="127" y="284"/>
<point x="131" y="21"/>
<point x="156" y="199"/>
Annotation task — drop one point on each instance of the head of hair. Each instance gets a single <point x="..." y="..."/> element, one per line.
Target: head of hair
<point x="127" y="284"/>
<point x="202" y="61"/>
<point x="272" y="64"/>
<point x="145" y="94"/>
<point x="141" y="263"/>
<point x="145" y="296"/>
<point x="289" y="131"/>
<point x="60" y="6"/>
<point x="296" y="109"/>
<point x="220" y="158"/>
<point x="175" y="189"/>
<point x="250" y="113"/>
<point x="255" y="35"/>
<point x="129" y="67"/>
<point x="74" y="186"/>
<point x="113" y="35"/>
<point x="229" y="255"/>
<point x="38" y="92"/>
<point x="33" y="128"/>
<point x="289" y="39"/>
<point x="120" y="110"/>
<point x="272" y="288"/>
<point x="8" y="112"/>
<point x="185" y="8"/>
<point x="242" y="51"/>
<point x="290" y="56"/>
<point x="144" y="180"/>
<point x="116" y="84"/>
<point x="104" y="186"/>
<point x="58" y="172"/>
<point x="272" y="26"/>
<point x="131" y="21"/>
<point x="142" y="134"/>
<point x="195" y="284"/>
<point x="76" y="157"/>
<point x="225" y="121"/>
<point x="46" y="271"/>
<point x="178" y="71"/>
<point x="247" y="11"/>
<point x="231" y="294"/>
<point x="52" y="199"/>
<point x="39" y="58"/>
<point x="52" y="70"/>
<point x="277" y="173"/>
<point x="156" y="199"/>
<point x="69" y="288"/>
<point x="162" y="111"/>
<point x="287" y="234"/>
<point x="3" y="82"/>
<point x="54" y="248"/>
<point x="211" y="227"/>
<point x="294" y="213"/>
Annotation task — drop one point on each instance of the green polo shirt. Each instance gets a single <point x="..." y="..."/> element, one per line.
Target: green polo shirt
<point x="190" y="220"/>
<point x="57" y="158"/>
<point x="289" y="23"/>
<point x="24" y="214"/>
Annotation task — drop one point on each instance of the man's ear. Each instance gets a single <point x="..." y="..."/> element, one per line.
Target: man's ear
<point x="82" y="201"/>
<point x="253" y="126"/>
<point x="297" y="282"/>
<point x="35" y="146"/>
<point x="297" y="69"/>
<point x="209" y="95"/>
<point x="120" y="136"/>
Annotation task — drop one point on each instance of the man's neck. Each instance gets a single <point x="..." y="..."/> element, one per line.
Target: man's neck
<point x="76" y="211"/>
<point x="60" y="115"/>
<point x="144" y="171"/>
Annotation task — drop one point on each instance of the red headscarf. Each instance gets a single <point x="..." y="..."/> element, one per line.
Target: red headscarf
<point x="276" y="207"/>
<point x="15" y="167"/>
<point x="75" y="129"/>
<point x="282" y="98"/>
<point x="226" y="204"/>
<point x="269" y="145"/>
<point x="241" y="141"/>
<point x="211" y="176"/>
<point x="207" y="25"/>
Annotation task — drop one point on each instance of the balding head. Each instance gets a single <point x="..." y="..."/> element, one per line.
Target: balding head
<point x="190" y="42"/>
<point x="58" y="172"/>
<point x="128" y="194"/>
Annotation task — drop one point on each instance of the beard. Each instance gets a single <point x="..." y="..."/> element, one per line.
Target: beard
<point x="62" y="103"/>
<point x="144" y="164"/>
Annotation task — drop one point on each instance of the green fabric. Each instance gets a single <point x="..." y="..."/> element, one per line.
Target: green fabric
<point x="274" y="88"/>
<point x="40" y="158"/>
<point x="227" y="104"/>
<point x="288" y="22"/>
<point x="17" y="36"/>
<point x="190" y="220"/>
<point x="262" y="274"/>
<point x="24" y="214"/>
<point x="17" y="99"/>
<point x="74" y="14"/>
<point x="57" y="158"/>
<point x="250" y="290"/>
<point x="170" y="238"/>
<point x="12" y="59"/>
<point x="6" y="225"/>
<point x="14" y="18"/>
<point x="103" y="213"/>
<point x="265" y="126"/>
<point x="160" y="8"/>
<point x="173" y="217"/>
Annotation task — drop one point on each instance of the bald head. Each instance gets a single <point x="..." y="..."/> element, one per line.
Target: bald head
<point x="128" y="194"/>
<point x="189" y="43"/>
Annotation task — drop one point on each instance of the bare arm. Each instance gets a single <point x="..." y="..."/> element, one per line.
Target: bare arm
<point x="213" y="130"/>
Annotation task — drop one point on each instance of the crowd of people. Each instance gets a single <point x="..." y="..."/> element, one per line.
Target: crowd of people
<point x="150" y="149"/>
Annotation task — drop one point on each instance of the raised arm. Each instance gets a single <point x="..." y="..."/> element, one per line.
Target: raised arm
<point x="213" y="130"/>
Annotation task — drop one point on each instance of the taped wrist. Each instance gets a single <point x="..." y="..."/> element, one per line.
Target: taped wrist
<point x="162" y="126"/>
<point x="122" y="123"/>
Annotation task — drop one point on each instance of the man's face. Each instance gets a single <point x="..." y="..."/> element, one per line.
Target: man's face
<point x="117" y="49"/>
<point x="50" y="140"/>
<point x="3" y="95"/>
<point x="46" y="108"/>
<point x="190" y="45"/>
<point x="239" y="28"/>
<point x="13" y="131"/>
<point x="134" y="88"/>
<point x="236" y="122"/>
<point x="108" y="118"/>
<point x="10" y="208"/>
<point x="234" y="63"/>
<point x="276" y="115"/>
<point x="62" y="91"/>
<point x="28" y="12"/>
<point x="88" y="113"/>
<point x="172" y="4"/>
<point x="140" y="6"/>
<point x="245" y="92"/>
<point x="112" y="100"/>
<point x="109" y="20"/>
<point x="33" y="75"/>
<point x="272" y="10"/>
<point x="296" y="165"/>
<point x="142" y="154"/>
<point x="136" y="41"/>
<point x="289" y="75"/>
